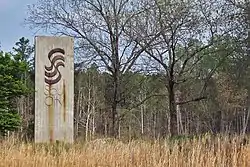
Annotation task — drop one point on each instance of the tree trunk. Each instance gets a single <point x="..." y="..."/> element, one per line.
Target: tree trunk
<point x="142" y="109"/>
<point x="114" y="128"/>
<point x="245" y="121"/>
<point x="172" y="110"/>
<point x="88" y="114"/>
<point x="154" y="125"/>
<point x="178" y="113"/>
<point x="93" y="126"/>
<point x="119" y="130"/>
<point x="114" y="120"/>
<point x="142" y="120"/>
<point x="129" y="132"/>
<point x="87" y="127"/>
<point x="77" y="114"/>
<point x="94" y="111"/>
<point x="93" y="121"/>
<point x="105" y="127"/>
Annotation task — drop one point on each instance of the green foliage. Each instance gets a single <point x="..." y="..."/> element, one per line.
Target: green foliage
<point x="9" y="121"/>
<point x="23" y="49"/>
<point x="11" y="86"/>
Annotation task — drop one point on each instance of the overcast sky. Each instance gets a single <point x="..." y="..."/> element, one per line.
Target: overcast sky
<point x="12" y="14"/>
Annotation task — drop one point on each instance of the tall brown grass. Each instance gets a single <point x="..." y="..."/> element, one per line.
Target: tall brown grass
<point x="200" y="152"/>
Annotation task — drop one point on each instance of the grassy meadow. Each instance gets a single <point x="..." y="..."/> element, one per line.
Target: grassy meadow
<point x="204" y="151"/>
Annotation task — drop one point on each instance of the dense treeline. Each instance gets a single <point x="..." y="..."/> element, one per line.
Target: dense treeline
<point x="149" y="68"/>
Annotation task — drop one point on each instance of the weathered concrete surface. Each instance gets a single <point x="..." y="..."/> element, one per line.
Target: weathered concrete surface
<point x="54" y="86"/>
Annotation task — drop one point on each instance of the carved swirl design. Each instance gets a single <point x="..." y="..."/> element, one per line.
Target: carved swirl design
<point x="55" y="62"/>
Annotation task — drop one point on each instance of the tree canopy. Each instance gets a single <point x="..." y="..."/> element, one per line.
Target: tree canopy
<point x="11" y="86"/>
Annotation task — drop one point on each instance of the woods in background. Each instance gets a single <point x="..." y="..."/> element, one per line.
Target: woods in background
<point x="148" y="68"/>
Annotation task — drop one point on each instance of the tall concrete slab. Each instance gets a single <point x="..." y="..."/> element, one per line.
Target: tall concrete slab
<point x="54" y="86"/>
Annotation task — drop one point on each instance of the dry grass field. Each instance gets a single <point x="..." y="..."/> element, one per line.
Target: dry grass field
<point x="201" y="152"/>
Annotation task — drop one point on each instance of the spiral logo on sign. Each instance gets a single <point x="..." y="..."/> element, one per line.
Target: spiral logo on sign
<point x="52" y="73"/>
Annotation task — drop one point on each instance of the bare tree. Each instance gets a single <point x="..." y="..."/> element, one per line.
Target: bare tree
<point x="187" y="31"/>
<point x="98" y="27"/>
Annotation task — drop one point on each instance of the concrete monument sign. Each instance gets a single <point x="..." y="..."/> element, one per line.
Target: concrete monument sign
<point x="54" y="86"/>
